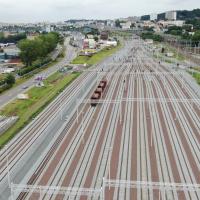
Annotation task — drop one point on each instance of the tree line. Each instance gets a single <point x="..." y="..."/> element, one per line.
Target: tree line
<point x="184" y="31"/>
<point x="181" y="15"/>
<point x="151" y="35"/>
<point x="7" y="82"/>
<point x="12" y="38"/>
<point x="39" y="48"/>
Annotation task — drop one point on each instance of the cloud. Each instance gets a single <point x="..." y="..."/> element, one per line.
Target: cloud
<point x="60" y="10"/>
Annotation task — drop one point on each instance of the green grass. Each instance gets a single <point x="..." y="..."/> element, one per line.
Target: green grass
<point x="96" y="58"/>
<point x="177" y="56"/>
<point x="39" y="98"/>
<point x="196" y="75"/>
<point x="197" y="68"/>
<point x="163" y="58"/>
<point x="36" y="71"/>
<point x="121" y="34"/>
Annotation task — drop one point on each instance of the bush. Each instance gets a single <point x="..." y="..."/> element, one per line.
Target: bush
<point x="149" y="35"/>
<point x="2" y="82"/>
<point x="4" y="88"/>
<point x="37" y="64"/>
<point x="10" y="79"/>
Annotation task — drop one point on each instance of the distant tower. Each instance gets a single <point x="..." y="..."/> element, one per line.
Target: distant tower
<point x="171" y="15"/>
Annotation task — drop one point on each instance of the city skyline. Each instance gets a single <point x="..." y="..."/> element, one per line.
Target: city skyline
<point x="13" y="11"/>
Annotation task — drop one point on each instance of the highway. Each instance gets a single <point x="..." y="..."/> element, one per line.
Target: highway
<point x="145" y="128"/>
<point x="10" y="95"/>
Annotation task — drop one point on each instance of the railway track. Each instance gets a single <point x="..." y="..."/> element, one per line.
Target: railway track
<point x="138" y="141"/>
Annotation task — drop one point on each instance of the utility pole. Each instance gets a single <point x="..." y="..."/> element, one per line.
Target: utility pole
<point x="8" y="168"/>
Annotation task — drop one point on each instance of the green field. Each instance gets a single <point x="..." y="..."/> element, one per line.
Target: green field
<point x="39" y="98"/>
<point x="196" y="75"/>
<point x="96" y="57"/>
<point x="36" y="71"/>
<point x="177" y="55"/>
<point x="124" y="34"/>
<point x="197" y="68"/>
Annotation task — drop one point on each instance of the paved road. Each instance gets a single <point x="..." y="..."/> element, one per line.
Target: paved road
<point x="12" y="94"/>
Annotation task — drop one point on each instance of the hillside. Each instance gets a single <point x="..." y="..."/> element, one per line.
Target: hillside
<point x="181" y="15"/>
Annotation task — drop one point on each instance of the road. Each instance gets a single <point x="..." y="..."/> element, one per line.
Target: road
<point x="6" y="97"/>
<point x="145" y="128"/>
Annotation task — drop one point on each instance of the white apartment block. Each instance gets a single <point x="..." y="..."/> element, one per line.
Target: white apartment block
<point x="171" y="15"/>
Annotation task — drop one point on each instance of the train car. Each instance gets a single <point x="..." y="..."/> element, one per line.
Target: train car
<point x="103" y="84"/>
<point x="99" y="91"/>
<point x="95" y="96"/>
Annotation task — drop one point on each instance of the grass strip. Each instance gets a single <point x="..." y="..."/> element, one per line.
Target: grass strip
<point x="39" y="98"/>
<point x="96" y="58"/>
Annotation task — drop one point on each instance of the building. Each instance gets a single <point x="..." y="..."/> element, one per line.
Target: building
<point x="153" y="17"/>
<point x="171" y="15"/>
<point x="104" y="35"/>
<point x="126" y="25"/>
<point x="179" y="23"/>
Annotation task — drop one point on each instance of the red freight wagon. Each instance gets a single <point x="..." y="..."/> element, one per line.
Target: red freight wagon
<point x="101" y="85"/>
<point x="104" y="82"/>
<point x="99" y="91"/>
<point x="95" y="97"/>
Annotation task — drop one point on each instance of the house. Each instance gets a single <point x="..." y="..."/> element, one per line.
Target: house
<point x="104" y="35"/>
<point x="126" y="25"/>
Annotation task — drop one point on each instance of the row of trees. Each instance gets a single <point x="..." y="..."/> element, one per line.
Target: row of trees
<point x="195" y="23"/>
<point x="183" y="32"/>
<point x="181" y="15"/>
<point x="150" y="35"/>
<point x="187" y="14"/>
<point x="39" y="48"/>
<point x="7" y="83"/>
<point x="12" y="38"/>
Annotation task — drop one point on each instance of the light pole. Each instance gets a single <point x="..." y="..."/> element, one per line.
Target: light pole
<point x="109" y="149"/>
<point x="82" y="128"/>
<point x="8" y="169"/>
<point x="77" y="110"/>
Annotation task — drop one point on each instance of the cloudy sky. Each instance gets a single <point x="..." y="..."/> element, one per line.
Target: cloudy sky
<point x="60" y="10"/>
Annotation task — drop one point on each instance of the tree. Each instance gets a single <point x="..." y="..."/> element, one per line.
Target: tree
<point x="29" y="51"/>
<point x="150" y="35"/>
<point x="39" y="48"/>
<point x="10" y="79"/>
<point x="195" y="23"/>
<point x="196" y="37"/>
<point x="117" y="23"/>
<point x="12" y="38"/>
<point x="96" y="38"/>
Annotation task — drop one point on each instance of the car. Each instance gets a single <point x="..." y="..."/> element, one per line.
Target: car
<point x="25" y="87"/>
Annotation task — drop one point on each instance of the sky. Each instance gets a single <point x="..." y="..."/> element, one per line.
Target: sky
<point x="61" y="10"/>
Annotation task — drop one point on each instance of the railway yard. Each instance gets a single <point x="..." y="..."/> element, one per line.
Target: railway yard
<point x="140" y="140"/>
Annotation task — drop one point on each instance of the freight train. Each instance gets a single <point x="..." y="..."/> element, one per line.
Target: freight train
<point x="98" y="92"/>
